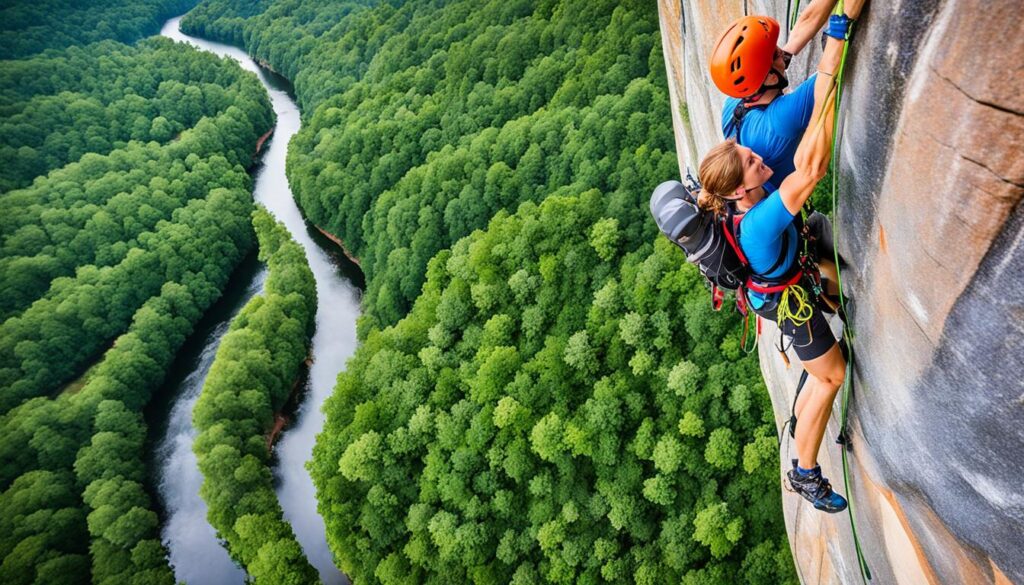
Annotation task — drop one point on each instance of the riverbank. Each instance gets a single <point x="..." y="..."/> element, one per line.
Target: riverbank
<point x="340" y="244"/>
<point x="186" y="531"/>
<point x="260" y="141"/>
<point x="284" y="416"/>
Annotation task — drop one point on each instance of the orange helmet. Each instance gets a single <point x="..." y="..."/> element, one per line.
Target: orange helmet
<point x="742" y="59"/>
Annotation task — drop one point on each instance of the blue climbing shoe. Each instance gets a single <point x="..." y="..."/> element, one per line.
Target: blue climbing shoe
<point x="816" y="489"/>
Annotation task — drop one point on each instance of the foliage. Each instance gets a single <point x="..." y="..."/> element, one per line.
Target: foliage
<point x="87" y="449"/>
<point x="52" y="340"/>
<point x="251" y="378"/>
<point x="31" y="27"/>
<point x="110" y="256"/>
<point x="423" y="120"/>
<point x="92" y="212"/>
<point x="514" y="441"/>
<point x="541" y="395"/>
<point x="58" y="106"/>
<point x="547" y="399"/>
<point x="101" y="235"/>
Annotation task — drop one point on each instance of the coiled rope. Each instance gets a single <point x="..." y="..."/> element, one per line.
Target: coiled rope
<point x="795" y="295"/>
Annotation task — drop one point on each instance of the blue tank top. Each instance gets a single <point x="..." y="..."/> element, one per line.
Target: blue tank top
<point x="765" y="228"/>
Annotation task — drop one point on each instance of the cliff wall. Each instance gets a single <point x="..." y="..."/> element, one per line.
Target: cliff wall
<point x="930" y="224"/>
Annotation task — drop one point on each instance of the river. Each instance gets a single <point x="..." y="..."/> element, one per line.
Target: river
<point x="196" y="555"/>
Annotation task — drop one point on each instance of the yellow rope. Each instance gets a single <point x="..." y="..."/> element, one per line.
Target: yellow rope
<point x="804" y="310"/>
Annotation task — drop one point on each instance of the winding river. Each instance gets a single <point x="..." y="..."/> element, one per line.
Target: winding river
<point x="196" y="555"/>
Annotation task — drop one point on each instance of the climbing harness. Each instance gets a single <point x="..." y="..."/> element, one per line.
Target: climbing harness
<point x="794" y="302"/>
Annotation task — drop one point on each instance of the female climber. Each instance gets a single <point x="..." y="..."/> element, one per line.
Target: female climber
<point x="734" y="181"/>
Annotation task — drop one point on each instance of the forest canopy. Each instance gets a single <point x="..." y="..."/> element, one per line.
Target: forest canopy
<point x="541" y="393"/>
<point x="32" y="27"/>
<point x="124" y="210"/>
<point x="565" y="419"/>
<point x="253" y="374"/>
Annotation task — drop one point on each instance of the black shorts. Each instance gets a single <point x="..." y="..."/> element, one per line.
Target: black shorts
<point x="810" y="340"/>
<point x="814" y="338"/>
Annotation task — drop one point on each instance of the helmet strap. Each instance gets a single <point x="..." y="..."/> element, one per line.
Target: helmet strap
<point x="753" y="98"/>
<point x="781" y="84"/>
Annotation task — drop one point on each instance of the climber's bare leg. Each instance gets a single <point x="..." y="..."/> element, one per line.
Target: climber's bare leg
<point x="801" y="400"/>
<point x="826" y="377"/>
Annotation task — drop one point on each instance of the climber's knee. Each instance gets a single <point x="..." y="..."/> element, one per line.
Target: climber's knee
<point x="829" y="369"/>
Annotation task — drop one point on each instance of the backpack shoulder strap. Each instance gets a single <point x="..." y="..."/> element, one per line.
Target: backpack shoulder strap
<point x="736" y="121"/>
<point x="735" y="124"/>
<point x="731" y="229"/>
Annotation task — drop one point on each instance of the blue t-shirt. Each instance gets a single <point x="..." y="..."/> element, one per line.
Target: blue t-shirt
<point x="774" y="131"/>
<point x="765" y="228"/>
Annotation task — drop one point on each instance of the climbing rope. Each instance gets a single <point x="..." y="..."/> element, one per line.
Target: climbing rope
<point x="792" y="11"/>
<point x="750" y="321"/>
<point x="848" y="332"/>
<point x="795" y="294"/>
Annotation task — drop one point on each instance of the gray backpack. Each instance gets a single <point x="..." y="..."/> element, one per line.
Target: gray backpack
<point x="707" y="241"/>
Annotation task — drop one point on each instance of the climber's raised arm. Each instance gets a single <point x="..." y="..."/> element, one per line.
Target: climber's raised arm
<point x="812" y="18"/>
<point x="808" y="24"/>
<point x="852" y="8"/>
<point x="815" y="149"/>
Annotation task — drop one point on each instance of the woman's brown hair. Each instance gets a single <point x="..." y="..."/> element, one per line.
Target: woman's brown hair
<point x="720" y="174"/>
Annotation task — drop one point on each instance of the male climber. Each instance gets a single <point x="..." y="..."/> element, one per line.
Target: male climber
<point x="748" y="66"/>
<point x="768" y="124"/>
<point x="752" y="72"/>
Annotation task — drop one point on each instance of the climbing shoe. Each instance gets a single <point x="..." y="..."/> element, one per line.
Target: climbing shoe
<point x="815" y="489"/>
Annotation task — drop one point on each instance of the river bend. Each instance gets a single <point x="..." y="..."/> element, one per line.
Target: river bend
<point x="196" y="555"/>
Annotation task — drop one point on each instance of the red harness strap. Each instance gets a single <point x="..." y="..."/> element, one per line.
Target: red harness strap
<point x="775" y="287"/>
<point x="751" y="284"/>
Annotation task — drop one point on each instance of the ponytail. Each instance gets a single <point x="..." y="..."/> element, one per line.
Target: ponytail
<point x="720" y="173"/>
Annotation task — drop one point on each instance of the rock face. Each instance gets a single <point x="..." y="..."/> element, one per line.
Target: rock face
<point x="929" y="221"/>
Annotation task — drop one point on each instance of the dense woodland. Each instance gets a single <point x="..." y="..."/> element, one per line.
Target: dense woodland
<point x="110" y="226"/>
<point x="568" y="419"/>
<point x="32" y="27"/>
<point x="125" y="208"/>
<point x="253" y="374"/>
<point x="542" y="393"/>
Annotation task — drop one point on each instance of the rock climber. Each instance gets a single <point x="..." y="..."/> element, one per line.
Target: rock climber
<point x="735" y="180"/>
<point x="749" y="67"/>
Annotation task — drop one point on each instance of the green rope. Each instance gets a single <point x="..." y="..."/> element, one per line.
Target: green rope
<point x="792" y="16"/>
<point x="848" y="332"/>
<point x="750" y="322"/>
